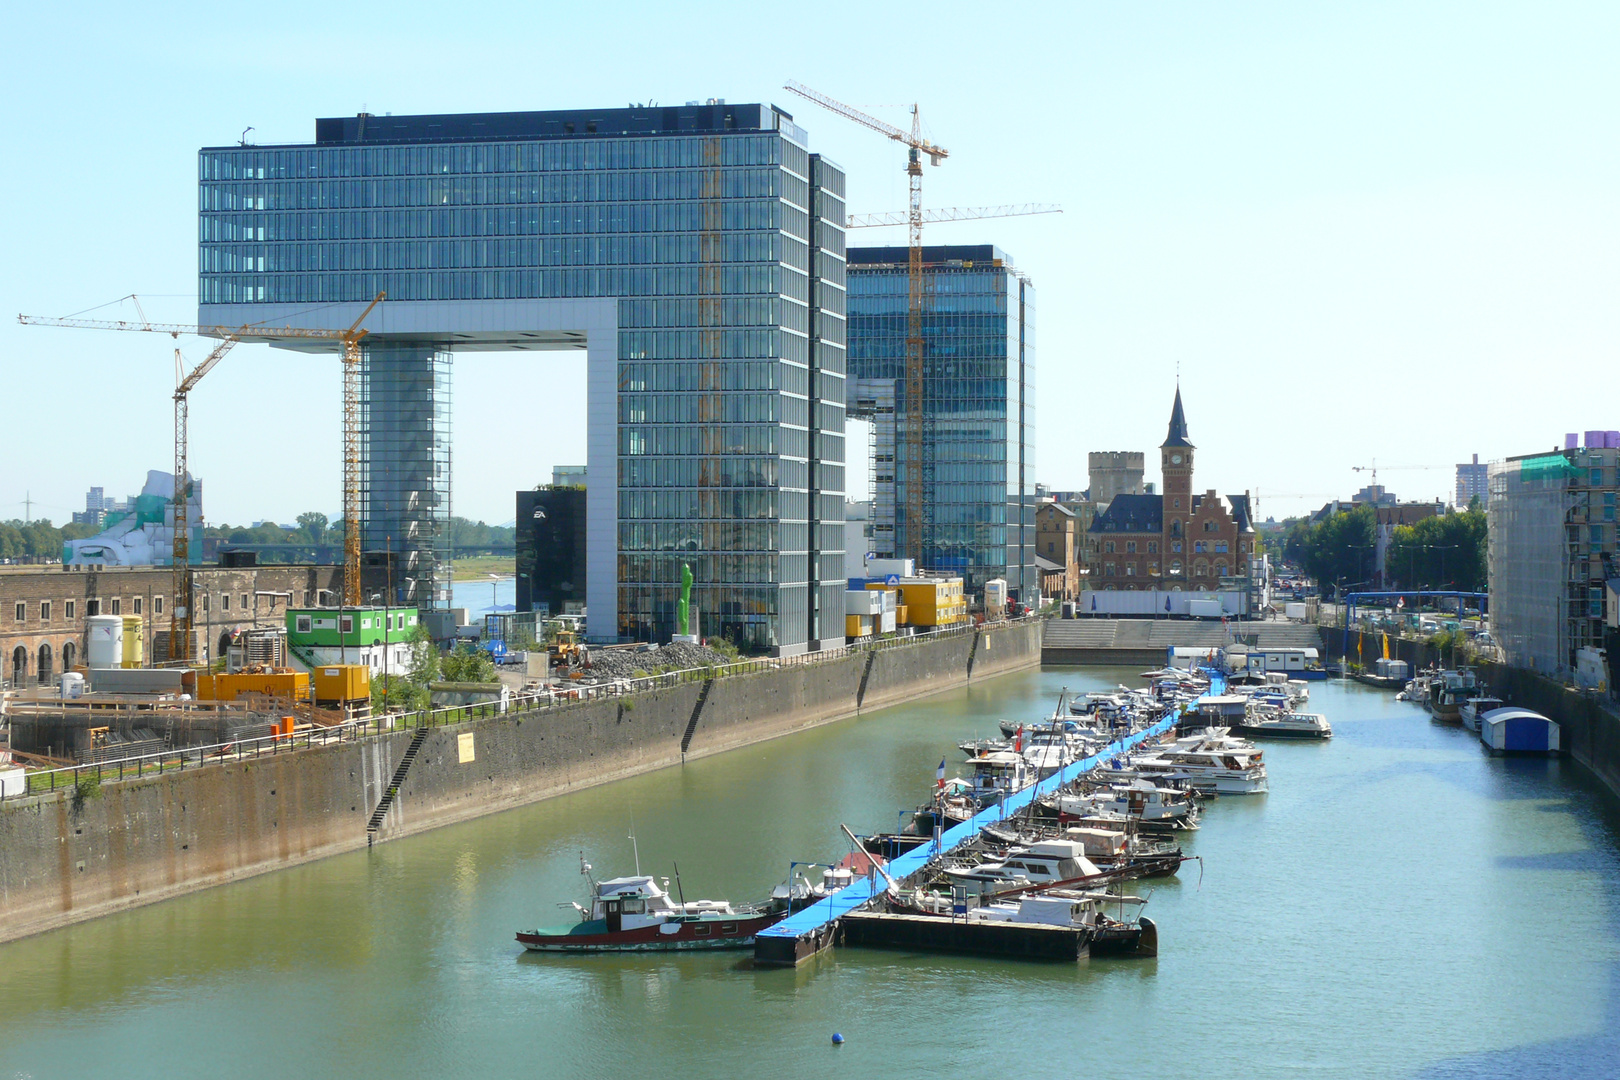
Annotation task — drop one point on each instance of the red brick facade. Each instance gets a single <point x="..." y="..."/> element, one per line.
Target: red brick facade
<point x="1176" y="540"/>
<point x="42" y="611"/>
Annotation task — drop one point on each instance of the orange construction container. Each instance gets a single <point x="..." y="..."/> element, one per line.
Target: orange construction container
<point x="342" y="682"/>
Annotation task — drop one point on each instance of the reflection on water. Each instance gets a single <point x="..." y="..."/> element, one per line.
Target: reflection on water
<point x="1400" y="903"/>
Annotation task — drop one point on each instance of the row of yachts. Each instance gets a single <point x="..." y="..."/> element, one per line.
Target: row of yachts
<point x="1062" y="858"/>
<point x="1059" y="861"/>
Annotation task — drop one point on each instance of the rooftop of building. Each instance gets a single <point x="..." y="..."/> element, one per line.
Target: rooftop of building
<point x="715" y="117"/>
<point x="933" y="254"/>
<point x="1145" y="513"/>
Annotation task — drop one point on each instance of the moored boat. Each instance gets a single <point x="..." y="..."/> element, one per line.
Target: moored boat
<point x="1476" y="707"/>
<point x="637" y="914"/>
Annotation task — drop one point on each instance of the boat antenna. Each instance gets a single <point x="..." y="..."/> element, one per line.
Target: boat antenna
<point x="585" y="870"/>
<point x="678" y="890"/>
<point x="634" y="847"/>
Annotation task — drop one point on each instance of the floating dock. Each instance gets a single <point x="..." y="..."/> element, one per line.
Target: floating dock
<point x="941" y="933"/>
<point x="800" y="936"/>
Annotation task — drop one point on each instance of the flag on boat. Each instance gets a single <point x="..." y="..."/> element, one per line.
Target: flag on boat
<point x="1018" y="740"/>
<point x="939" y="777"/>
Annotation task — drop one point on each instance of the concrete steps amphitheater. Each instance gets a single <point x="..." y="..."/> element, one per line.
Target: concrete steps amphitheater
<point x="1163" y="633"/>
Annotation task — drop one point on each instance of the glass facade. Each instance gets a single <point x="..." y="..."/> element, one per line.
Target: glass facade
<point x="978" y="407"/>
<point x="719" y="236"/>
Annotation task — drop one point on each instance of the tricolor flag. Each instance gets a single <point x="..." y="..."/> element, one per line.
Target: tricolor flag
<point x="939" y="777"/>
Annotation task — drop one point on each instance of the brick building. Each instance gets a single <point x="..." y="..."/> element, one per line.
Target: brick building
<point x="43" y="611"/>
<point x="1056" y="542"/>
<point x="1175" y="540"/>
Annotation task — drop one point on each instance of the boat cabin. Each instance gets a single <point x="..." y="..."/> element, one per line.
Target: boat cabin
<point x="1518" y="731"/>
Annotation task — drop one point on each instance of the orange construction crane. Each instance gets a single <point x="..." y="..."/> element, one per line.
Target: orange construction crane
<point x="180" y="619"/>
<point x="916" y="147"/>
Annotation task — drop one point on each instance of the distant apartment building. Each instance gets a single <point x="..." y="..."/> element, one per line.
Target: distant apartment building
<point x="1473" y="481"/>
<point x="1551" y="527"/>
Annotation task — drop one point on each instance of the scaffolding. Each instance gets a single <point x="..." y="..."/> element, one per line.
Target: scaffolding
<point x="1530" y="502"/>
<point x="404" y="434"/>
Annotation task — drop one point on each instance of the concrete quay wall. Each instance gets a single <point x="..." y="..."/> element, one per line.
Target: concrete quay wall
<point x="69" y="857"/>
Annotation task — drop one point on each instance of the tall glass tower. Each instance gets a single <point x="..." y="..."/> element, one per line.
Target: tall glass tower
<point x="978" y="408"/>
<point x="696" y="254"/>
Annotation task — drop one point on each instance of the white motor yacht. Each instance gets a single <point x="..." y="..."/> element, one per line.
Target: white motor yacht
<point x="1476" y="707"/>
<point x="1047" y="863"/>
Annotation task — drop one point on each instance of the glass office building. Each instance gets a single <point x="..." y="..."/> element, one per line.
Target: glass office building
<point x="696" y="254"/>
<point x="978" y="408"/>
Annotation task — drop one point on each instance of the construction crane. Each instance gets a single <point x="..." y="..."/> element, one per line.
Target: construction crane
<point x="958" y="213"/>
<point x="181" y="608"/>
<point x="916" y="146"/>
<point x="1374" y="467"/>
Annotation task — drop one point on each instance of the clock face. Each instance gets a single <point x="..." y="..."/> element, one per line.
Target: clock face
<point x="1175" y="459"/>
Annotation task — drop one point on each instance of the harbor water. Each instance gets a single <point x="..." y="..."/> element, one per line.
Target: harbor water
<point x="1400" y="905"/>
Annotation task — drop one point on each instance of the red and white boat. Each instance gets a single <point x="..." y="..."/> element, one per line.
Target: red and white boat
<point x="636" y="914"/>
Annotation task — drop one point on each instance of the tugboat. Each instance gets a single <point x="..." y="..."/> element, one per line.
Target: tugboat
<point x="636" y="914"/>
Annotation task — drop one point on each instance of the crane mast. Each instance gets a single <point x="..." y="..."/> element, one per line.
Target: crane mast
<point x="917" y="470"/>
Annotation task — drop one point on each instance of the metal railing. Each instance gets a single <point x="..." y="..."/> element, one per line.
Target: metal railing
<point x="79" y="781"/>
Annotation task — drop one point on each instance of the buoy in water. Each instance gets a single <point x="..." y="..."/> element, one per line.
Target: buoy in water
<point x="838" y="1040"/>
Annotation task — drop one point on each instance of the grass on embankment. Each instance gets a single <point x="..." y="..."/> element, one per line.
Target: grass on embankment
<point x="479" y="567"/>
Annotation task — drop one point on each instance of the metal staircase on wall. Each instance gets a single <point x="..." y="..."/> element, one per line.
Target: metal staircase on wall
<point x="387" y="801"/>
<point x="697" y="714"/>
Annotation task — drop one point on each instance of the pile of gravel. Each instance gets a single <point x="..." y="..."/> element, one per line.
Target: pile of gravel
<point x="627" y="663"/>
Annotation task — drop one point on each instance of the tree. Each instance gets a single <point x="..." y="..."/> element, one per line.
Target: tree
<point x="1446" y="551"/>
<point x="1339" y="550"/>
<point x="409" y="692"/>
<point x="314" y="525"/>
<point x="467" y="664"/>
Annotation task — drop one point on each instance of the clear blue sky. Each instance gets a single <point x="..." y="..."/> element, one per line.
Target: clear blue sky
<point x="1362" y="230"/>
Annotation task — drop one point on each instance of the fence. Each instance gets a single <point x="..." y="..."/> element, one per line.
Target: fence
<point x="79" y="778"/>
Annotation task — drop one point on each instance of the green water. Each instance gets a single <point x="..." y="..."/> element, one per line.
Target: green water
<point x="1400" y="904"/>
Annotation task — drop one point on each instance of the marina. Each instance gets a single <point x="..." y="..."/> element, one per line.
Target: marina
<point x="423" y="927"/>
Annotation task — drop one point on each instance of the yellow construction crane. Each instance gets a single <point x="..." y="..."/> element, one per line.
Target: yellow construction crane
<point x="955" y="213"/>
<point x="916" y="147"/>
<point x="180" y="619"/>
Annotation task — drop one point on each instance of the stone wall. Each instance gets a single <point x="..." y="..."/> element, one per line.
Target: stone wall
<point x="64" y="859"/>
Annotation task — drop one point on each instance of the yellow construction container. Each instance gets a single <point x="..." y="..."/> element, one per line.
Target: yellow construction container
<point x="857" y="626"/>
<point x="134" y="651"/>
<point x="342" y="682"/>
<point x="292" y="685"/>
<point x="932" y="602"/>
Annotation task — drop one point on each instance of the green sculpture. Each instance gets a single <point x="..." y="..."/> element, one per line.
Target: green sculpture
<point x="683" y="611"/>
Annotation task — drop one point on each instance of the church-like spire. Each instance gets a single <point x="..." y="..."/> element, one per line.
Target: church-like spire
<point x="1178" y="424"/>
